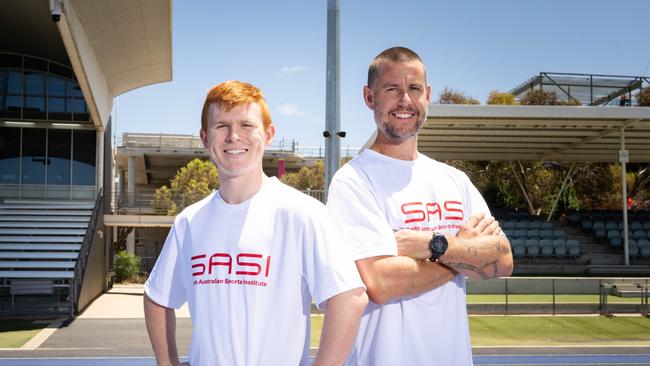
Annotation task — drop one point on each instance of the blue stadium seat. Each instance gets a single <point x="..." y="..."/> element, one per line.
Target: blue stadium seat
<point x="640" y="234"/>
<point x="533" y="234"/>
<point x="561" y="251"/>
<point x="613" y="233"/>
<point x="559" y="242"/>
<point x="546" y="226"/>
<point x="600" y="233"/>
<point x="559" y="233"/>
<point x="634" y="250"/>
<point x="616" y="241"/>
<point x="573" y="243"/>
<point x="546" y="234"/>
<point x="507" y="224"/>
<point x="534" y="225"/>
<point x="646" y="225"/>
<point x="519" y="252"/>
<point x="611" y="225"/>
<point x="636" y="226"/>
<point x="522" y="225"/>
<point x="573" y="217"/>
<point x="645" y="252"/>
<point x="532" y="247"/>
<point x="598" y="225"/>
<point x="546" y="247"/>
<point x="586" y="224"/>
<point x="644" y="243"/>
<point x="521" y="234"/>
<point x="574" y="251"/>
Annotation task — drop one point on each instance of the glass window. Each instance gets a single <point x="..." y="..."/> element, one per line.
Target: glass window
<point x="15" y="82"/>
<point x="34" y="83"/>
<point x="9" y="155"/>
<point x="34" y="107"/>
<point x="56" y="86"/>
<point x="58" y="156"/>
<point x="83" y="164"/>
<point x="35" y="64"/>
<point x="33" y="160"/>
<point x="80" y="110"/>
<point x="11" y="60"/>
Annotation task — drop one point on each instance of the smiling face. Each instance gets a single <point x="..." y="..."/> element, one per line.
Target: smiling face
<point x="399" y="98"/>
<point x="236" y="139"/>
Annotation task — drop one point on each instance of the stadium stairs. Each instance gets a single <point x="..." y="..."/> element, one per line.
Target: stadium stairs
<point x="562" y="247"/>
<point x="40" y="242"/>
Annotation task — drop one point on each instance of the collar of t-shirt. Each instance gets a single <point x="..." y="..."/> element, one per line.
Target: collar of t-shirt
<point x="376" y="155"/>
<point x="238" y="206"/>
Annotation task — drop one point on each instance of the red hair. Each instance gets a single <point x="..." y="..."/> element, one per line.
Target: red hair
<point x="231" y="94"/>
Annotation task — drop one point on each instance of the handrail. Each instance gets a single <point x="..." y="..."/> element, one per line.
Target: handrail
<point x="84" y="251"/>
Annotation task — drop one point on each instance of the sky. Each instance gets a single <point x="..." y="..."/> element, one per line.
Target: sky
<point x="474" y="46"/>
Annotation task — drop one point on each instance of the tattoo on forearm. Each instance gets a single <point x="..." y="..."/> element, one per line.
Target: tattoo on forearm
<point x="480" y="271"/>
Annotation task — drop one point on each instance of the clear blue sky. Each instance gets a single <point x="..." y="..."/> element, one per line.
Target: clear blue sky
<point x="474" y="46"/>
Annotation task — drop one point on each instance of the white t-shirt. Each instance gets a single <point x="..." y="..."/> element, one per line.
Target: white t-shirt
<point x="371" y="197"/>
<point x="249" y="273"/>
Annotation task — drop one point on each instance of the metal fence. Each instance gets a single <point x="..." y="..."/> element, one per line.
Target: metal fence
<point x="535" y="295"/>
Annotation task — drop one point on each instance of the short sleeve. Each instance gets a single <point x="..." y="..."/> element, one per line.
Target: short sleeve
<point x="328" y="267"/>
<point x="166" y="283"/>
<point x="356" y="213"/>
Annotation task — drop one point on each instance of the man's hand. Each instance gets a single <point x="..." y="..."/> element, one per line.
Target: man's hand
<point x="415" y="244"/>
<point x="479" y="225"/>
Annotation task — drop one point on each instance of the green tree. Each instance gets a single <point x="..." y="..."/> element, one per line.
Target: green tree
<point x="451" y="96"/>
<point x="539" y="97"/>
<point x="500" y="98"/>
<point x="308" y="177"/>
<point x="644" y="97"/>
<point x="192" y="183"/>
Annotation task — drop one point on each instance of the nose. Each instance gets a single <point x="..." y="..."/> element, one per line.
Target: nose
<point x="404" y="99"/>
<point x="233" y="134"/>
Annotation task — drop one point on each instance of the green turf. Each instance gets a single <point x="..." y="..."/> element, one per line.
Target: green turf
<point x="558" y="330"/>
<point x="546" y="330"/>
<point x="15" y="333"/>
<point x="593" y="299"/>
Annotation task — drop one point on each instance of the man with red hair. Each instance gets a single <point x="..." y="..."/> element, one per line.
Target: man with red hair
<point x="249" y="258"/>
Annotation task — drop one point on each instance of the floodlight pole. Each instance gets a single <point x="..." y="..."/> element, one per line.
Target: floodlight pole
<point x="623" y="157"/>
<point x="332" y="98"/>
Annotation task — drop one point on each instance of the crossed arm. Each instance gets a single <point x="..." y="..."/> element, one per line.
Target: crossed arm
<point x="478" y="251"/>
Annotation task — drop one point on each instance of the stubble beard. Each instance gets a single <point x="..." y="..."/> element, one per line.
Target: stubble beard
<point x="400" y="135"/>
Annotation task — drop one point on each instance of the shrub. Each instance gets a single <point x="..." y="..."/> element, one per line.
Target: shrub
<point x="127" y="267"/>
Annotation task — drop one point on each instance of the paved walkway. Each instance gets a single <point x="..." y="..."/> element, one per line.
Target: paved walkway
<point x="111" y="331"/>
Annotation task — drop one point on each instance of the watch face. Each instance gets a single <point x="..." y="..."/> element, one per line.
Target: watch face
<point x="440" y="243"/>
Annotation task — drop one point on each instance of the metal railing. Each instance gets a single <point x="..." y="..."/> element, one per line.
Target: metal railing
<point x="192" y="142"/>
<point x="535" y="295"/>
<point x="142" y="203"/>
<point x="84" y="251"/>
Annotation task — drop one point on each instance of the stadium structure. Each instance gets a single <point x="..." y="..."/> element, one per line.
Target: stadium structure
<point x="67" y="196"/>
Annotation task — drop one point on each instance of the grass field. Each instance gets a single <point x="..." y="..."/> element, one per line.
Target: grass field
<point x="546" y="330"/>
<point x="592" y="299"/>
<point x="558" y="330"/>
<point x="14" y="333"/>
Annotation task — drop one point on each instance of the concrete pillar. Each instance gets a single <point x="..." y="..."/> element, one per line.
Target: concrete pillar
<point x="130" y="242"/>
<point x="130" y="192"/>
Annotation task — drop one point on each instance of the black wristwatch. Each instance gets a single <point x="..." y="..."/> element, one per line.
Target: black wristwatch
<point x="438" y="246"/>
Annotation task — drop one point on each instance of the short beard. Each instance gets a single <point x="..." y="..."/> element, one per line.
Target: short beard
<point x="395" y="134"/>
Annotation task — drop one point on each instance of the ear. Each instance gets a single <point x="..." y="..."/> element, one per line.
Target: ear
<point x="204" y="137"/>
<point x="428" y="93"/>
<point x="368" y="97"/>
<point x="269" y="133"/>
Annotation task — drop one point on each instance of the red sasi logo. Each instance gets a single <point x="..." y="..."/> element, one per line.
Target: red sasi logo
<point x="246" y="264"/>
<point x="424" y="211"/>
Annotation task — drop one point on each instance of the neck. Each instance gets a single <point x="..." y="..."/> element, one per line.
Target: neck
<point x="402" y="150"/>
<point x="236" y="190"/>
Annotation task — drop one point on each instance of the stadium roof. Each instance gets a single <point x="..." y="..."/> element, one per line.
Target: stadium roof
<point x="558" y="133"/>
<point x="588" y="89"/>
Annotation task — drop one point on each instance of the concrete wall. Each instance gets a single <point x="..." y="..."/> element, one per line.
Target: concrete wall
<point x="540" y="285"/>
